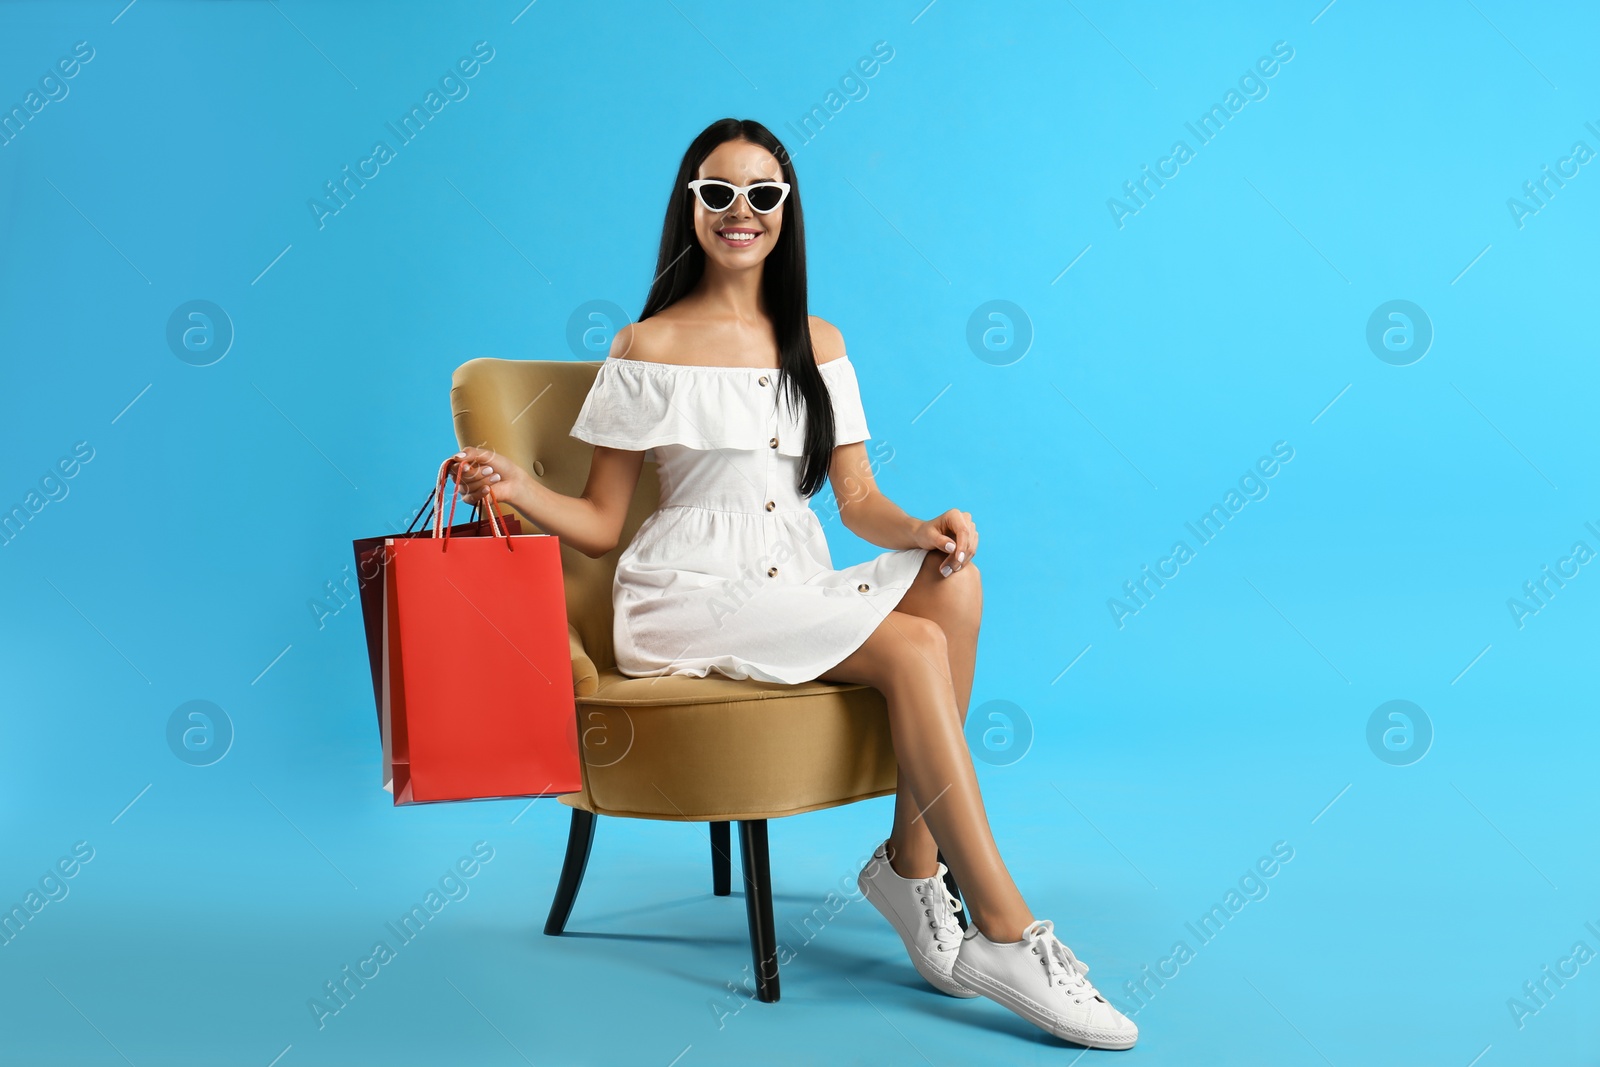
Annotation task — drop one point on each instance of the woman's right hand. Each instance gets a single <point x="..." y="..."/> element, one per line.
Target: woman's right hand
<point x="479" y="468"/>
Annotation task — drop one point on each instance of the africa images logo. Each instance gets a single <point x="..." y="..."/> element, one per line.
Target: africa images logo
<point x="1210" y="123"/>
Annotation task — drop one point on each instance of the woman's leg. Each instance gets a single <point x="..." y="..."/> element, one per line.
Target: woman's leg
<point x="956" y="604"/>
<point x="906" y="658"/>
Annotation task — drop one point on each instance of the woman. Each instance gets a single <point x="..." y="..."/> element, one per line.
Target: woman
<point x="747" y="404"/>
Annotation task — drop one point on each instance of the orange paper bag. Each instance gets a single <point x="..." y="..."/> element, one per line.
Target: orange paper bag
<point x="478" y="702"/>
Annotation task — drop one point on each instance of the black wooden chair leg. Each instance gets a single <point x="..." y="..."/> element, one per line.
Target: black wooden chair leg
<point x="721" y="860"/>
<point x="758" y="906"/>
<point x="580" y="838"/>
<point x="955" y="891"/>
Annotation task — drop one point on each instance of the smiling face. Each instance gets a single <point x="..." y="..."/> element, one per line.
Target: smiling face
<point x="738" y="238"/>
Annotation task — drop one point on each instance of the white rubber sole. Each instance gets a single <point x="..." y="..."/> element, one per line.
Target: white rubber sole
<point x="1034" y="1012"/>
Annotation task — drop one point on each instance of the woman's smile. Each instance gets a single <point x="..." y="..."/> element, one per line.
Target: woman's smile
<point x="739" y="236"/>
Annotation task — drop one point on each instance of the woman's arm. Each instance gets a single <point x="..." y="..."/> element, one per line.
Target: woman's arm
<point x="591" y="523"/>
<point x="874" y="518"/>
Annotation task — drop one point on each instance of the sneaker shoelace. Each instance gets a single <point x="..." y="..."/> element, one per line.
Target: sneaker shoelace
<point x="941" y="907"/>
<point x="1062" y="968"/>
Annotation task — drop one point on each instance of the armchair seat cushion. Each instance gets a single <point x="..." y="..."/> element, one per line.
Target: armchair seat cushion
<point x="683" y="748"/>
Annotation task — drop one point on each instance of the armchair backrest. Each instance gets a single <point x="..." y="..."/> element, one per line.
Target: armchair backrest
<point x="523" y="409"/>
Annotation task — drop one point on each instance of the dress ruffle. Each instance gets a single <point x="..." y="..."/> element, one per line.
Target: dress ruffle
<point x="638" y="404"/>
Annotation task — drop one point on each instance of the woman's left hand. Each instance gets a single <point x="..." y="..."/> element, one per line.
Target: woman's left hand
<point x="953" y="534"/>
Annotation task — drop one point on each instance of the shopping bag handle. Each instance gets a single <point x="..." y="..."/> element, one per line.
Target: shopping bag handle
<point x="424" y="514"/>
<point x="495" y="518"/>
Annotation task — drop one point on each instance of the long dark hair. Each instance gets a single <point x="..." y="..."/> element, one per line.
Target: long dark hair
<point x="681" y="262"/>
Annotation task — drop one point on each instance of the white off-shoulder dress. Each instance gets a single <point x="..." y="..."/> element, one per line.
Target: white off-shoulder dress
<point x="731" y="573"/>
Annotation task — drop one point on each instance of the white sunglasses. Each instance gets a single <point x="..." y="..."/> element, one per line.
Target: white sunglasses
<point x="717" y="195"/>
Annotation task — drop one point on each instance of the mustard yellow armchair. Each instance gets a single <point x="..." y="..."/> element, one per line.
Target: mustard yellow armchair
<point x="713" y="749"/>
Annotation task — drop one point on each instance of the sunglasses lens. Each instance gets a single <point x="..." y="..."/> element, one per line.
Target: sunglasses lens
<point x="764" y="198"/>
<point x="716" y="197"/>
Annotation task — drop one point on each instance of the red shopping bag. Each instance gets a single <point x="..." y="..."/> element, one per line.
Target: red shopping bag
<point x="370" y="582"/>
<point x="478" y="665"/>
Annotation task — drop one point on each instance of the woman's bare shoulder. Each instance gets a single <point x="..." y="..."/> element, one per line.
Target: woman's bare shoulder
<point x="826" y="340"/>
<point x="642" y="341"/>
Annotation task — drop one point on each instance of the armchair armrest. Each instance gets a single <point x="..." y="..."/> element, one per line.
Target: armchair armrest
<point x="585" y="676"/>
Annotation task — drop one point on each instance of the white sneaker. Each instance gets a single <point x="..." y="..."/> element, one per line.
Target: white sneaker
<point x="1041" y="980"/>
<point x="922" y="911"/>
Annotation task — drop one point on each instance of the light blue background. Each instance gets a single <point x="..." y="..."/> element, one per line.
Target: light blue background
<point x="1225" y="316"/>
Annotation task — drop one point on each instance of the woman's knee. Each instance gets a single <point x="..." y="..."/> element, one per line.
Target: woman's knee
<point x="916" y="631"/>
<point x="913" y="645"/>
<point x="903" y="639"/>
<point x="968" y="592"/>
<point x="899" y="653"/>
<point x="882" y="657"/>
